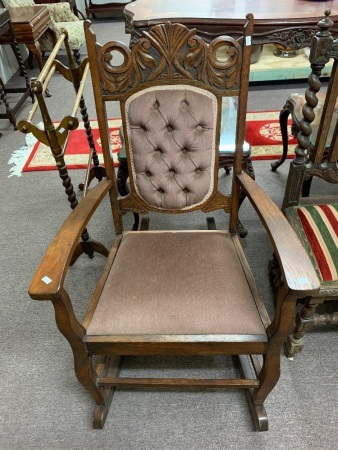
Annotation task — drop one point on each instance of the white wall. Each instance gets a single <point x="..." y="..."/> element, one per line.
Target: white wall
<point x="80" y="4"/>
<point x="8" y="62"/>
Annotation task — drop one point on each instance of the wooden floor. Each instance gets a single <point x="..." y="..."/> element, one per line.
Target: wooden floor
<point x="270" y="67"/>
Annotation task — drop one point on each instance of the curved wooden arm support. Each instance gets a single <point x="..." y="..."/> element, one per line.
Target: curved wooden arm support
<point x="297" y="269"/>
<point x="49" y="278"/>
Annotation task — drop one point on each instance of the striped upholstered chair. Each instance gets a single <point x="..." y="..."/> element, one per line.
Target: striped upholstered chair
<point x="315" y="219"/>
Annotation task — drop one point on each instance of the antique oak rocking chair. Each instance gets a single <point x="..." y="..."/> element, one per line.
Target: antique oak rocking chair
<point x="315" y="218"/>
<point x="169" y="292"/>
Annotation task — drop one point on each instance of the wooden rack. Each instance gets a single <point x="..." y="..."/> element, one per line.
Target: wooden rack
<point x="57" y="138"/>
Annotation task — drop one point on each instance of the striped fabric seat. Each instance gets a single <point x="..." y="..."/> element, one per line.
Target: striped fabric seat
<point x="318" y="229"/>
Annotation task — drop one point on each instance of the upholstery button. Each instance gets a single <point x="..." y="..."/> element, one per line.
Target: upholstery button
<point x="184" y="150"/>
<point x="169" y="128"/>
<point x="148" y="173"/>
<point x="160" y="190"/>
<point x="156" y="105"/>
<point x="186" y="190"/>
<point x="198" y="171"/>
<point x="159" y="150"/>
<point x="199" y="128"/>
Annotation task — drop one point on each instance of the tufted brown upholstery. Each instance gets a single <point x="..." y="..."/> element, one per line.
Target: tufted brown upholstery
<point x="171" y="131"/>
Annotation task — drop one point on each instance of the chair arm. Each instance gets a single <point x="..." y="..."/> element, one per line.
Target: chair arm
<point x="61" y="12"/>
<point x="49" y="277"/>
<point x="296" y="267"/>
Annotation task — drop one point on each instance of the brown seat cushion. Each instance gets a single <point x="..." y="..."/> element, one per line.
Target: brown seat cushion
<point x="176" y="283"/>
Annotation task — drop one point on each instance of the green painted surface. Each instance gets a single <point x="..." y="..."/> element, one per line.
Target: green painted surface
<point x="272" y="68"/>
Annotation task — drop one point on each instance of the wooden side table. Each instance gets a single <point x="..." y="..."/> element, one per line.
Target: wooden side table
<point x="6" y="29"/>
<point x="289" y="23"/>
<point x="29" y="23"/>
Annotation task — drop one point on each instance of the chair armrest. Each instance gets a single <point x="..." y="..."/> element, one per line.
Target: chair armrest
<point x="61" y="12"/>
<point x="49" y="277"/>
<point x="295" y="264"/>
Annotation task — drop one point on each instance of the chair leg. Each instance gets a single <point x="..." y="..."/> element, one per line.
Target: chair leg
<point x="306" y="187"/>
<point x="109" y="367"/>
<point x="270" y="372"/>
<point x="97" y="171"/>
<point x="295" y="341"/>
<point x="305" y="319"/>
<point x="248" y="168"/>
<point x="283" y="122"/>
<point x="249" y="367"/>
<point x="77" y="56"/>
<point x="74" y="332"/>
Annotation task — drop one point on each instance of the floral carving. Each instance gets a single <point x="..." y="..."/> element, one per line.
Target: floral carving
<point x="170" y="50"/>
<point x="293" y="39"/>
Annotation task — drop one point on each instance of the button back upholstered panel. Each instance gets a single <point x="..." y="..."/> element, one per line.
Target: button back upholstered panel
<point x="172" y="144"/>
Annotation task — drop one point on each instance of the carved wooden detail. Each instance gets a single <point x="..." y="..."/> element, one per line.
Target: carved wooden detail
<point x="218" y="201"/>
<point x="171" y="50"/>
<point x="292" y="38"/>
<point x="328" y="172"/>
<point x="323" y="47"/>
<point x="329" y="292"/>
<point x="131" y="203"/>
<point x="294" y="185"/>
<point x="320" y="55"/>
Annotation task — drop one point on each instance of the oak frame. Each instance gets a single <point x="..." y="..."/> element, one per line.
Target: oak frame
<point x="300" y="278"/>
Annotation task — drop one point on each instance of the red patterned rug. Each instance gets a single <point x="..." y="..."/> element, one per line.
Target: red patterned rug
<point x="77" y="150"/>
<point x="263" y="135"/>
